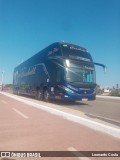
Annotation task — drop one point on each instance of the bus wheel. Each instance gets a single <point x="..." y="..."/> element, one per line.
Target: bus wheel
<point x="18" y="92"/>
<point x="46" y="95"/>
<point x="39" y="95"/>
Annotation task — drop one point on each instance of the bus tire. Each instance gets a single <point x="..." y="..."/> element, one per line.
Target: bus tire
<point x="39" y="95"/>
<point x="18" y="92"/>
<point x="46" y="95"/>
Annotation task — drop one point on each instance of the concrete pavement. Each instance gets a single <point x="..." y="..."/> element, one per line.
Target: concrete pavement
<point x="23" y="127"/>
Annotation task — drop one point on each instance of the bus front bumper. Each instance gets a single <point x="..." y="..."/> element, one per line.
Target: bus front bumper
<point x="79" y="97"/>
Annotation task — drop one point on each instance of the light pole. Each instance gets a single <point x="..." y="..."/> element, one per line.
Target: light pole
<point x="2" y="80"/>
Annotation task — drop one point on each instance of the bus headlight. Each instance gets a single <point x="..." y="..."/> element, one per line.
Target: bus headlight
<point x="68" y="90"/>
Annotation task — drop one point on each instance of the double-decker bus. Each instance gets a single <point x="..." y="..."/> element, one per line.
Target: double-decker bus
<point x="60" y="71"/>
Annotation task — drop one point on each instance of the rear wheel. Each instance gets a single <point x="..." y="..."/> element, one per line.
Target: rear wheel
<point x="18" y="92"/>
<point x="46" y="95"/>
<point x="39" y="95"/>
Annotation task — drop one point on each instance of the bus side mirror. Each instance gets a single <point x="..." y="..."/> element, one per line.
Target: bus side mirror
<point x="105" y="70"/>
<point x="101" y="65"/>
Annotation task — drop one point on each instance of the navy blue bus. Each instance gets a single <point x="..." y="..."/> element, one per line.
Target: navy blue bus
<point x="60" y="71"/>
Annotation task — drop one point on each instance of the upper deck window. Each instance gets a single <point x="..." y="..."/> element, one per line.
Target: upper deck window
<point x="53" y="52"/>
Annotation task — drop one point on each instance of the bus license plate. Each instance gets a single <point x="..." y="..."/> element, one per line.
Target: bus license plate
<point x="84" y="99"/>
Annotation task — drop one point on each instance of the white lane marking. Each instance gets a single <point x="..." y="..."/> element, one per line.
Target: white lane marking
<point x="3" y="101"/>
<point x="115" y="132"/>
<point x="23" y="115"/>
<point x="72" y="149"/>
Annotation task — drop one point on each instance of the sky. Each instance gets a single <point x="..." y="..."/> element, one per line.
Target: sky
<point x="28" y="26"/>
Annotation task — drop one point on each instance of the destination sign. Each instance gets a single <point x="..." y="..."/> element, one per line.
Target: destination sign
<point x="79" y="58"/>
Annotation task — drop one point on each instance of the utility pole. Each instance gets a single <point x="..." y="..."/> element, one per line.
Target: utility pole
<point x="2" y="80"/>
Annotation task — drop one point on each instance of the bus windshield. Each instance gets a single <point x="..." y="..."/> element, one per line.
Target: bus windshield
<point x="76" y="53"/>
<point x="80" y="74"/>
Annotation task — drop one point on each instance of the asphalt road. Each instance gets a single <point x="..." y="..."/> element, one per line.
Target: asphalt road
<point x="25" y="128"/>
<point x="104" y="109"/>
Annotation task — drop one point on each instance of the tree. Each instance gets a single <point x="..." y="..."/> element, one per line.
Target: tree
<point x="99" y="90"/>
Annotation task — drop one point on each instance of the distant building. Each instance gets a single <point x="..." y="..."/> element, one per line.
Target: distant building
<point x="106" y="92"/>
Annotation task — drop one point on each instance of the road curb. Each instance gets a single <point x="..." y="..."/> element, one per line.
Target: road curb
<point x="115" y="132"/>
